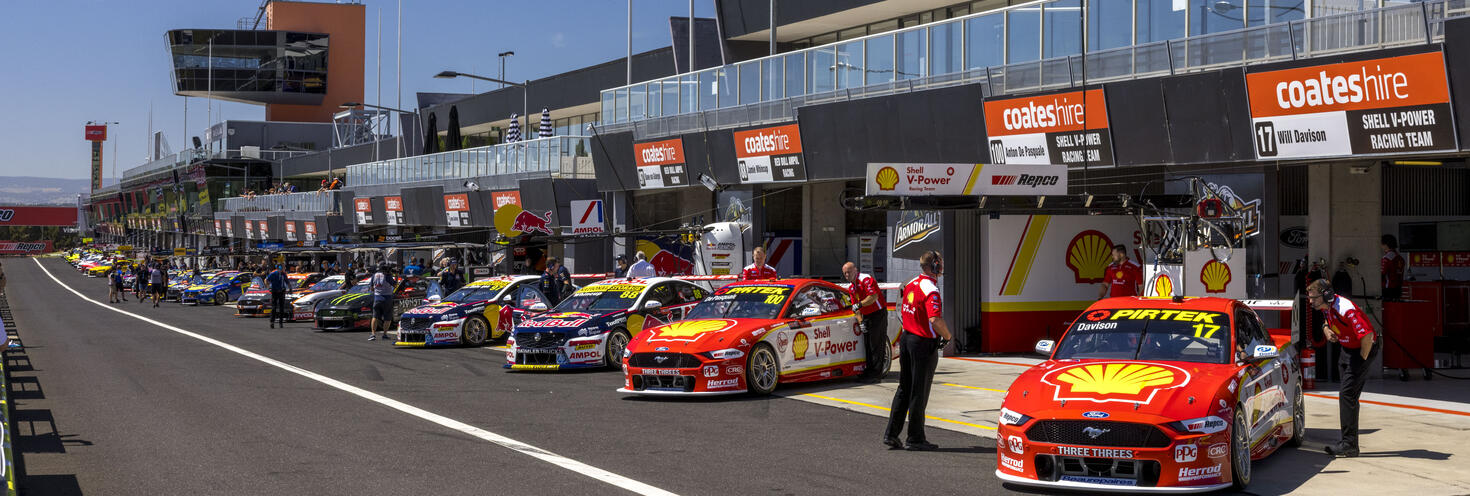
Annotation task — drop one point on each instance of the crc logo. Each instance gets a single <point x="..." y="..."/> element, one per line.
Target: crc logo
<point x="1185" y="453"/>
<point x="1266" y="139"/>
<point x="6" y="214"/>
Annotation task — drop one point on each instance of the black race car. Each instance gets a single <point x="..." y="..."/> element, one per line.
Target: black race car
<point x="354" y="309"/>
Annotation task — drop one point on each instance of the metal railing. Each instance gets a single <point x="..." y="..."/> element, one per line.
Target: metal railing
<point x="768" y="89"/>
<point x="562" y="156"/>
<point x="309" y="201"/>
<point x="190" y="156"/>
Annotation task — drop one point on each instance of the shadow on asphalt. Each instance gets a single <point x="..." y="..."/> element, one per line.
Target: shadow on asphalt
<point x="35" y="430"/>
<point x="55" y="485"/>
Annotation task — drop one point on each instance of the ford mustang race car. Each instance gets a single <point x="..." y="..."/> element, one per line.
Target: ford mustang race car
<point x="303" y="306"/>
<point x="750" y="336"/>
<point x="256" y="301"/>
<point x="483" y="310"/>
<point x="354" y="309"/>
<point x="592" y="327"/>
<point x="222" y="288"/>
<point x="1153" y="394"/>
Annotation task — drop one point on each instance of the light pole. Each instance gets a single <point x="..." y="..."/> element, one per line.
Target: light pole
<point x="502" y="56"/>
<point x="416" y="120"/>
<point x="523" y="86"/>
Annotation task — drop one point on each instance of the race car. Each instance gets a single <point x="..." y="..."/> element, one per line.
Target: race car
<point x="100" y="268"/>
<point x="304" y="301"/>
<point x="592" y="327"/>
<point x="1153" y="395"/>
<point x="222" y="288"/>
<point x="176" y="287"/>
<point x="483" y="310"/>
<point x="256" y="301"/>
<point x="354" y="309"/>
<point x="750" y="337"/>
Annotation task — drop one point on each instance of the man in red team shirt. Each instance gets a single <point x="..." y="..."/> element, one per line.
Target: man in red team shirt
<point x="868" y="303"/>
<point x="924" y="334"/>
<point x="1391" y="266"/>
<point x="1346" y="324"/>
<point x="758" y="270"/>
<point x="1123" y="276"/>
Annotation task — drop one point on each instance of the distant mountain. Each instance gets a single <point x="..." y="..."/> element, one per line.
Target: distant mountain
<point x="22" y="190"/>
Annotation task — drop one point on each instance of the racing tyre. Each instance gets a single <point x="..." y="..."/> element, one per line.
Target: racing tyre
<point x="617" y="341"/>
<point x="220" y="297"/>
<point x="475" y="332"/>
<point x="1298" y="418"/>
<point x="761" y="370"/>
<point x="1240" y="451"/>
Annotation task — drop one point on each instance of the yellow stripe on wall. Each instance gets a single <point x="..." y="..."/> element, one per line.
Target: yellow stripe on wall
<point x="1026" y="255"/>
<point x="974" y="173"/>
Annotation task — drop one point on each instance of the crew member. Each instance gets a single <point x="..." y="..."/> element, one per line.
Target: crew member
<point x="451" y="279"/>
<point x="758" y="270"/>
<point x="383" y="286"/>
<point x="1391" y="266"/>
<point x="622" y="267"/>
<point x="1346" y="324"/>
<point x="868" y="302"/>
<point x="924" y="334"/>
<point x="641" y="269"/>
<point x="552" y="281"/>
<point x="276" y="282"/>
<point x="157" y="280"/>
<point x="1123" y="276"/>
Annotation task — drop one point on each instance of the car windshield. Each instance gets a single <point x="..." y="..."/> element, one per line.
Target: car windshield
<point x="220" y="279"/>
<point x="602" y="297"/>
<point x="467" y="295"/>
<point x="743" y="302"/>
<point x="362" y="287"/>
<point x="327" y="284"/>
<point x="1148" y="334"/>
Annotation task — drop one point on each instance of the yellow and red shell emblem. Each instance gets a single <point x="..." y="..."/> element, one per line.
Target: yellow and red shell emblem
<point x="799" y="345"/>
<point x="1088" y="255"/>
<point x="886" y="178"/>
<point x="689" y="330"/>
<point x="1215" y="276"/>
<point x="1163" y="285"/>
<point x="1125" y="382"/>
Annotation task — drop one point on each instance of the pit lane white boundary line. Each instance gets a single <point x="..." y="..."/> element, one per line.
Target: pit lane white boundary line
<point x="523" y="448"/>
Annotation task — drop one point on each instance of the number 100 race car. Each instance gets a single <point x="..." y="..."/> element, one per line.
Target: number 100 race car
<point x="1153" y="395"/>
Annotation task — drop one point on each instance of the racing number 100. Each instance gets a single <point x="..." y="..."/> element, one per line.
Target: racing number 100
<point x="773" y="299"/>
<point x="1207" y="331"/>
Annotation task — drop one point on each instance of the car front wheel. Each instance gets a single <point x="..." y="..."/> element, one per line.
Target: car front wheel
<point x="761" y="370"/>
<point x="1240" y="451"/>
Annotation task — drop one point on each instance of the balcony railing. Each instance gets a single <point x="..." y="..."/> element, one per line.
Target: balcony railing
<point x="190" y="156"/>
<point x="309" y="201"/>
<point x="562" y="156"/>
<point x="978" y="48"/>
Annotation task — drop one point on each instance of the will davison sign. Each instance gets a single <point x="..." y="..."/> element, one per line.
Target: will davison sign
<point x="1379" y="106"/>
<point x="769" y="154"/>
<point x="966" y="179"/>
<point x="660" y="164"/>
<point x="1057" y="128"/>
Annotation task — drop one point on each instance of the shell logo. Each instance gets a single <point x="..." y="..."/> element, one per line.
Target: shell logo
<point x="694" y="328"/>
<point x="1215" y="276"/>
<point x="1125" y="382"/>
<point x="887" y="178"/>
<point x="799" y="345"/>
<point x="1088" y="256"/>
<point x="1163" y="285"/>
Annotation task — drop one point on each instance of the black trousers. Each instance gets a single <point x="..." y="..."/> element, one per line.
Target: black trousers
<point x="279" y="311"/>
<point x="1354" y="373"/>
<point x="918" y="356"/>
<point x="875" y="340"/>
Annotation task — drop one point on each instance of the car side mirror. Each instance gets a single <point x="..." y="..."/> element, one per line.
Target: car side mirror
<point x="537" y="307"/>
<point x="433" y="298"/>
<point x="652" y="304"/>
<point x="1045" y="346"/>
<point x="508" y="300"/>
<point x="1264" y="352"/>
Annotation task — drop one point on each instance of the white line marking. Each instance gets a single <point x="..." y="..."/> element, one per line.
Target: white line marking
<point x="523" y="448"/>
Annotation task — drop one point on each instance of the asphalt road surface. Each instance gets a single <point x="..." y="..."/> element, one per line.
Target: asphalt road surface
<point x="108" y="403"/>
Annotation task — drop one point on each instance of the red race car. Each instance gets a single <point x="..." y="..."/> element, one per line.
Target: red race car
<point x="749" y="336"/>
<point x="1153" y="394"/>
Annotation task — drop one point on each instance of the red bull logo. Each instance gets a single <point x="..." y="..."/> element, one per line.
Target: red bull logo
<point x="665" y="262"/>
<point x="528" y="222"/>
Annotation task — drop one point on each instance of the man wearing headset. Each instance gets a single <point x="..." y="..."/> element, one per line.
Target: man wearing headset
<point x="1346" y="324"/>
<point x="924" y="334"/>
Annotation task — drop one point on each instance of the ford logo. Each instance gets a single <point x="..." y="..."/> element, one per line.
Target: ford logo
<point x="661" y="348"/>
<point x="1095" y="415"/>
<point x="1295" y="237"/>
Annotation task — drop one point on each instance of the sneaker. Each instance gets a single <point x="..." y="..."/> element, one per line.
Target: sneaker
<point x="1341" y="451"/>
<point x="922" y="446"/>
<point x="273" y="325"/>
<point x="892" y="442"/>
<point x="372" y="338"/>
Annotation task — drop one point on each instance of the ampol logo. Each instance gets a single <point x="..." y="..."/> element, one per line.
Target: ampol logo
<point x="1088" y="255"/>
<point x="1124" y="382"/>
<point x="1215" y="276"/>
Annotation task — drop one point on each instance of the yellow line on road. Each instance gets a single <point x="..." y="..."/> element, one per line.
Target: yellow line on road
<point x="930" y="417"/>
<point x="951" y="384"/>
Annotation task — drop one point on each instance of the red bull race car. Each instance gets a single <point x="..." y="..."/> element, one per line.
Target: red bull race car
<point x="750" y="336"/>
<point x="1153" y="395"/>
<point x="592" y="327"/>
<point x="483" y="310"/>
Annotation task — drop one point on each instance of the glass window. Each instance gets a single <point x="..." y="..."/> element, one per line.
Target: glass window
<point x="620" y="107"/>
<point x="883" y="26"/>
<point x="985" y="38"/>
<point x="878" y="62"/>
<point x="820" y="67"/>
<point x="824" y="39"/>
<point x="795" y="74"/>
<point x="607" y="103"/>
<point x="1108" y="24"/>
<point x="671" y="96"/>
<point x="771" y="80"/>
<point x="962" y="10"/>
<point x="912" y="57"/>
<point x="1023" y="35"/>
<point x="689" y="93"/>
<point x="945" y="48"/>
<point x="708" y="98"/>
<point x="637" y="97"/>
<point x="1159" y="20"/>
<point x="725" y="81"/>
<point x="849" y="65"/>
<point x="1274" y="11"/>
<point x="655" y="98"/>
<point x="1214" y="16"/>
<point x="857" y="32"/>
<point x="1062" y="34"/>
<point x="750" y="82"/>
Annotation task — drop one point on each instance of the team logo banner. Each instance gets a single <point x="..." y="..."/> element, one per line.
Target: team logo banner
<point x="770" y="154"/>
<point x="24" y="247"/>
<point x="393" y="209"/>
<point x="457" y="209"/>
<point x="310" y="228"/>
<point x="660" y="164"/>
<point x="1371" y="107"/>
<point x="965" y="179"/>
<point x="290" y="230"/>
<point x="587" y="217"/>
<point x="364" y="208"/>
<point x="1058" y="128"/>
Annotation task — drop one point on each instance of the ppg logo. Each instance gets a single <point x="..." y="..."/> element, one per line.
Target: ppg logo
<point x="1185" y="453"/>
<point x="997" y="151"/>
<point x="1266" y="139"/>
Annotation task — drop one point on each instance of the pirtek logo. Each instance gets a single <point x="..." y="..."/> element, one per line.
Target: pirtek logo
<point x="1025" y="180"/>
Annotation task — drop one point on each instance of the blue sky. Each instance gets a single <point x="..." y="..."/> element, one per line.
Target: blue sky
<point x="72" y="61"/>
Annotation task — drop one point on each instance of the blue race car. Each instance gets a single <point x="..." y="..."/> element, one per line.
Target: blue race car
<point x="593" y="326"/>
<point x="218" y="290"/>
<point x="481" y="311"/>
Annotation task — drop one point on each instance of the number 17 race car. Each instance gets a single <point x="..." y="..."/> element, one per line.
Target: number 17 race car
<point x="592" y="326"/>
<point x="1153" y="395"/>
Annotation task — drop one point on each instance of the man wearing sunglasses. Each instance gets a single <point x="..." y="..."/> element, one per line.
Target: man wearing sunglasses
<point x="1346" y="324"/>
